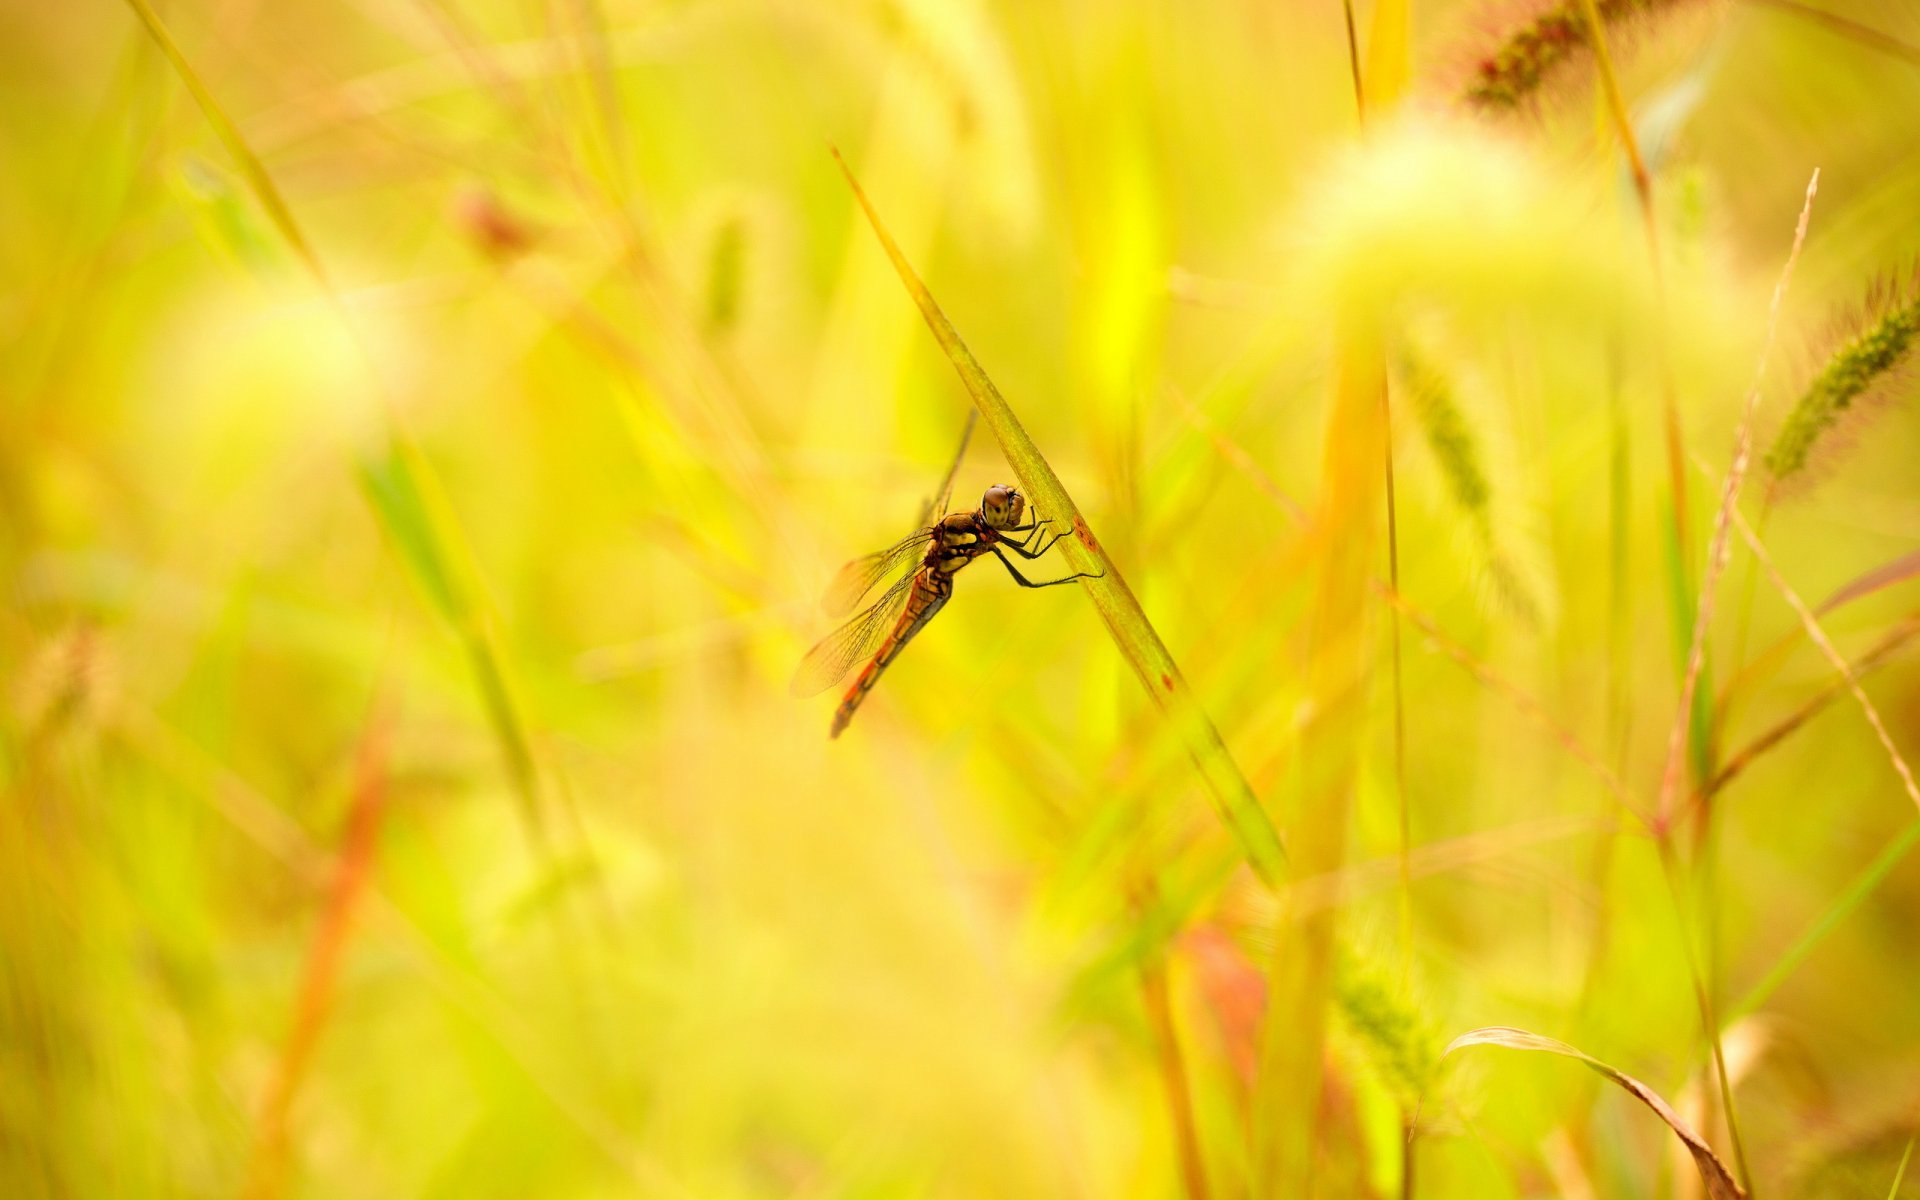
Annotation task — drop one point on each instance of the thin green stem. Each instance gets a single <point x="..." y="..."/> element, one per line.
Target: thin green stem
<point x="1703" y="999"/>
<point x="1862" y="886"/>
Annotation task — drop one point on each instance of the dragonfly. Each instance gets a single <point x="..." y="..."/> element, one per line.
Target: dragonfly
<point x="936" y="550"/>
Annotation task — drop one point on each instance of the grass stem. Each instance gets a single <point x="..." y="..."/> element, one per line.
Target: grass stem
<point x="1132" y="632"/>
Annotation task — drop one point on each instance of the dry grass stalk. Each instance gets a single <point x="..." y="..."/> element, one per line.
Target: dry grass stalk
<point x="1819" y="638"/>
<point x="353" y="871"/>
<point x="1518" y="697"/>
<point x="1721" y="544"/>
<point x="1875" y="657"/>
<point x="1719" y="1182"/>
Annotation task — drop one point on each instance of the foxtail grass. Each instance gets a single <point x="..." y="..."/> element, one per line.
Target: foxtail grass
<point x="1869" y="361"/>
<point x="1539" y="48"/>
<point x="1395" y="1037"/>
<point x="1458" y="452"/>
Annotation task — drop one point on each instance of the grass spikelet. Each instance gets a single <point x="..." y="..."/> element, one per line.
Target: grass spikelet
<point x="1431" y="213"/>
<point x="1447" y="436"/>
<point x="1868" y="363"/>
<point x="1541" y="46"/>
<point x="1395" y="1039"/>
<point x="1450" y="437"/>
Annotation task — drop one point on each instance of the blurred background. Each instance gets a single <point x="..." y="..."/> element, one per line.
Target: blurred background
<point x="421" y="457"/>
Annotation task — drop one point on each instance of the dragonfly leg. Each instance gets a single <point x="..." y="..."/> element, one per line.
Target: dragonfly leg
<point x="1034" y="532"/>
<point x="1025" y="549"/>
<point x="1036" y="523"/>
<point x="1023" y="581"/>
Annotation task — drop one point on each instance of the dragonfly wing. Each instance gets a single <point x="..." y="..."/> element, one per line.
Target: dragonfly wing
<point x="937" y="507"/>
<point x="862" y="575"/>
<point x="837" y="653"/>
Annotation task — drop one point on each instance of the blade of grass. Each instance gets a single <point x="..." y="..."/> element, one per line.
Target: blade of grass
<point x="398" y="488"/>
<point x="1901" y="569"/>
<point x="353" y="868"/>
<point x="1689" y="715"/>
<point x="1853" y="31"/>
<point x="1719" y="1182"/>
<point x="1856" y="893"/>
<point x="1901" y="1174"/>
<point x="254" y="171"/>
<point x="265" y="824"/>
<point x="1401" y="799"/>
<point x="1353" y="61"/>
<point x="1388" y="62"/>
<point x="1679" y="569"/>
<point x="409" y="505"/>
<point x="1132" y="632"/>
<point x="1343" y="540"/>
<point x="1617" y="738"/>
<point x="1173" y="1076"/>
<point x="1288" y="1090"/>
<point x="1622" y="120"/>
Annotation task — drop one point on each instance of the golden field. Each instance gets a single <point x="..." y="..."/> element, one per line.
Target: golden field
<point x="427" y="428"/>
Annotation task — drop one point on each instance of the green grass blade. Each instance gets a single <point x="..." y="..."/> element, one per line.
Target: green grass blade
<point x="1862" y="887"/>
<point x="393" y="489"/>
<point x="399" y="489"/>
<point x="1112" y="598"/>
<point x="1900" y="1175"/>
<point x="399" y="485"/>
<point x="229" y="134"/>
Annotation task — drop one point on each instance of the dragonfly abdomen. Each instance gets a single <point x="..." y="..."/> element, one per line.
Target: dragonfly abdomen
<point x="931" y="589"/>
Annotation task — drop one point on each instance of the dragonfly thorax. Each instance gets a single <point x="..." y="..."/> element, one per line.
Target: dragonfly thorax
<point x="1002" y="507"/>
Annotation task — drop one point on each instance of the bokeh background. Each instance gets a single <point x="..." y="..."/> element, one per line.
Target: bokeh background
<point x="402" y="794"/>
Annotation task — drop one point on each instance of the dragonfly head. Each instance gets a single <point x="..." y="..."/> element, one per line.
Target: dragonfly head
<point x="1002" y="507"/>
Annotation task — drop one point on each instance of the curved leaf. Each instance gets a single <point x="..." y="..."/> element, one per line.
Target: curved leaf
<point x="1719" y="1181"/>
